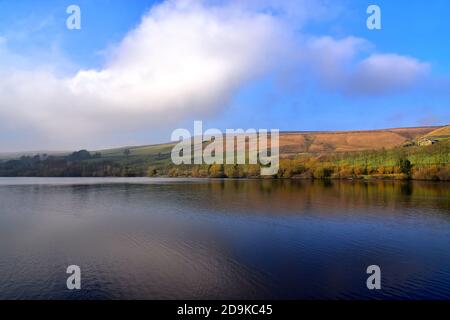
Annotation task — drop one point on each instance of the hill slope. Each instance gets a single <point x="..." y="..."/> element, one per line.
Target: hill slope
<point x="402" y="153"/>
<point x="440" y="133"/>
<point x="292" y="143"/>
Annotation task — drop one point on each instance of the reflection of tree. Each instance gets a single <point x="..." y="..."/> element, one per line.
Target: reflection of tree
<point x="297" y="197"/>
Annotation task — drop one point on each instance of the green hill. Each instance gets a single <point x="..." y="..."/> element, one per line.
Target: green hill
<point x="400" y="153"/>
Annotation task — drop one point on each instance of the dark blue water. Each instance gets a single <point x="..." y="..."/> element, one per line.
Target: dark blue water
<point x="213" y="239"/>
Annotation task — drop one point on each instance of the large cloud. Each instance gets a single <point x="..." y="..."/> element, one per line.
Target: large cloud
<point x="186" y="59"/>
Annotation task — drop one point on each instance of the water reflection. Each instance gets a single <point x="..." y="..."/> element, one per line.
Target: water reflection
<point x="161" y="239"/>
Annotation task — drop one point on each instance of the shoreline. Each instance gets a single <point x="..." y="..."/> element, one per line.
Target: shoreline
<point x="357" y="179"/>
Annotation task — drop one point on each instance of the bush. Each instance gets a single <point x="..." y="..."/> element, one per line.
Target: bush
<point x="152" y="172"/>
<point x="253" y="171"/>
<point x="216" y="171"/>
<point x="360" y="170"/>
<point x="432" y="173"/>
<point x="323" y="173"/>
<point x="405" y="166"/>
<point x="444" y="173"/>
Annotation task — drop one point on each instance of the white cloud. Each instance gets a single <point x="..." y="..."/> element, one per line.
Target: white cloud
<point x="339" y="66"/>
<point x="184" y="59"/>
<point x="385" y="73"/>
<point x="187" y="58"/>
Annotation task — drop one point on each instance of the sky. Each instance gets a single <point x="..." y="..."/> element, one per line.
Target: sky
<point x="138" y="70"/>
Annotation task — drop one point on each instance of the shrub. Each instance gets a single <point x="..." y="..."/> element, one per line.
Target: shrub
<point x="360" y="170"/>
<point x="323" y="172"/>
<point x="444" y="173"/>
<point x="253" y="170"/>
<point x="432" y="173"/>
<point x="216" y="171"/>
<point x="405" y="166"/>
<point x="424" y="173"/>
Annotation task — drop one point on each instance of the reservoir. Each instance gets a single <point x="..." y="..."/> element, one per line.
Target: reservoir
<point x="152" y="238"/>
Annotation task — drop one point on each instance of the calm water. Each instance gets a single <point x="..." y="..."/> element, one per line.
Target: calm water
<point x="192" y="239"/>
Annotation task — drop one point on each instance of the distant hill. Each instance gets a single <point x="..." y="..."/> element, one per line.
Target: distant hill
<point x="350" y="141"/>
<point x="292" y="143"/>
<point x="402" y="153"/>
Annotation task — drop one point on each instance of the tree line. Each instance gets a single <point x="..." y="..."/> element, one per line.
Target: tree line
<point x="417" y="162"/>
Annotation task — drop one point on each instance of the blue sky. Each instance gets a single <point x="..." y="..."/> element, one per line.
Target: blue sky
<point x="293" y="89"/>
<point x="414" y="28"/>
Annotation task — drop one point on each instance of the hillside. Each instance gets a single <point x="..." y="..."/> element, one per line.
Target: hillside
<point x="440" y="133"/>
<point x="401" y="153"/>
<point x="292" y="143"/>
<point x="349" y="141"/>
